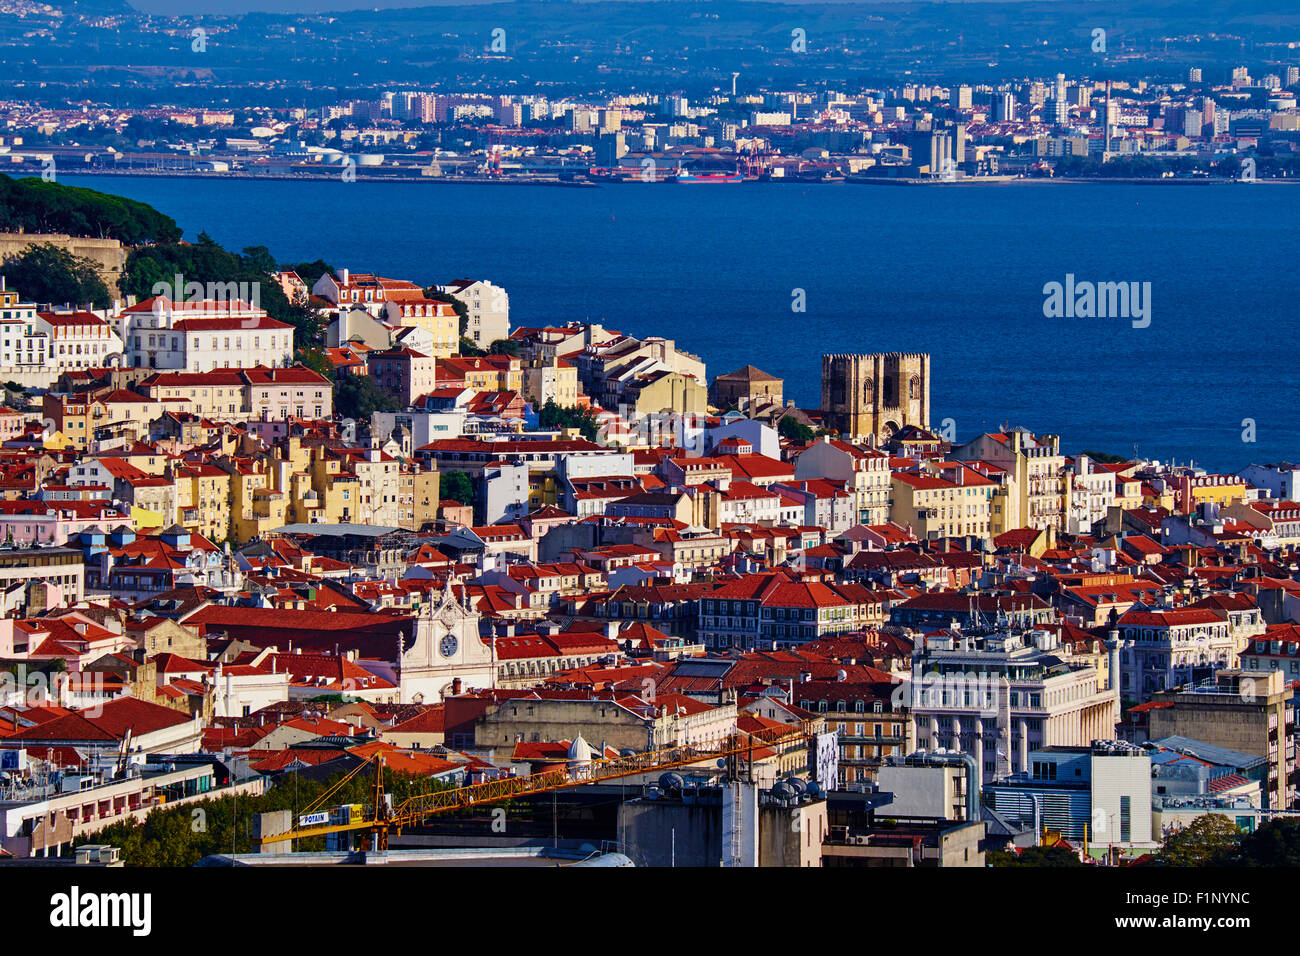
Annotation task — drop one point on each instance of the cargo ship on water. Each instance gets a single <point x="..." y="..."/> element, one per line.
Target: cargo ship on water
<point x="707" y="176"/>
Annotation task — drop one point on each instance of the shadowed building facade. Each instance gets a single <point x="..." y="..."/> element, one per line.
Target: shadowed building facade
<point x="877" y="394"/>
<point x="750" y="383"/>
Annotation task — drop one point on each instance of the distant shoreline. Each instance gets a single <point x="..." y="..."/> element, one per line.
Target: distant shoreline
<point x="275" y="177"/>
<point x="588" y="184"/>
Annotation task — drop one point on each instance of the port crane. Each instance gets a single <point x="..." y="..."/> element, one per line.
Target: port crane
<point x="733" y="752"/>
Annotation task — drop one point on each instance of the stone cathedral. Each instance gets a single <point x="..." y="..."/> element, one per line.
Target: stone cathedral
<point x="875" y="395"/>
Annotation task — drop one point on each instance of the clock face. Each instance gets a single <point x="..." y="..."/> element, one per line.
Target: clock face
<point x="448" y="645"/>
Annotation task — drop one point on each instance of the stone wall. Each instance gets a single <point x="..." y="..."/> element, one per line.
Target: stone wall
<point x="108" y="254"/>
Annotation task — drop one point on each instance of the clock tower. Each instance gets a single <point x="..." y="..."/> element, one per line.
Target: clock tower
<point x="447" y="646"/>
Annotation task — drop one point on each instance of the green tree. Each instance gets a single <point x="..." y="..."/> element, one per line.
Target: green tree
<point x="1275" y="843"/>
<point x="309" y="272"/>
<point x="1105" y="458"/>
<point x="558" y="416"/>
<point x="260" y="259"/>
<point x="456" y="486"/>
<point x="794" y="430"/>
<point x="33" y="205"/>
<point x="1050" y="856"/>
<point x="46" y="273"/>
<point x="1205" y="841"/>
<point x="317" y="361"/>
<point x="357" y="396"/>
<point x="504" y="347"/>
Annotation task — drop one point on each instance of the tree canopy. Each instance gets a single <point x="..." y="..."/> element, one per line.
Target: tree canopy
<point x="456" y="486"/>
<point x="791" y="429"/>
<point x="45" y="272"/>
<point x="1275" y="843"/>
<point x="1050" y="856"/>
<point x="207" y="262"/>
<point x="1205" y="841"/>
<point x="357" y="396"/>
<point x="558" y="416"/>
<point x="31" y="204"/>
<point x="309" y="272"/>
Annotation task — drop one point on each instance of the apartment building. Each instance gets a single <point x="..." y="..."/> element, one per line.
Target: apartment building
<point x="487" y="307"/>
<point x="201" y="336"/>
<point x="1166" y="647"/>
<point x="1248" y="711"/>
<point x="864" y="471"/>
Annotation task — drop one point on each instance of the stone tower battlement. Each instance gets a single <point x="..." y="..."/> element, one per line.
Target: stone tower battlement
<point x="876" y="394"/>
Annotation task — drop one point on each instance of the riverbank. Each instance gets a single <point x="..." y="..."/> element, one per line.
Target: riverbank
<point x="552" y="181"/>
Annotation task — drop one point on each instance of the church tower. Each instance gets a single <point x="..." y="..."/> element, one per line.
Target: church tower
<point x="447" y="647"/>
<point x="877" y="394"/>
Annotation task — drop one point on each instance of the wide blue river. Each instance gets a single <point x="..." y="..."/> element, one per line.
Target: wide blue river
<point x="956" y="272"/>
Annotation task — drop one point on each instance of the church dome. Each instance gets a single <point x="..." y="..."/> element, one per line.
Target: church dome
<point x="579" y="750"/>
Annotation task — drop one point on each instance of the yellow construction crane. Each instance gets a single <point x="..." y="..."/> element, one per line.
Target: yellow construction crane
<point x="383" y="818"/>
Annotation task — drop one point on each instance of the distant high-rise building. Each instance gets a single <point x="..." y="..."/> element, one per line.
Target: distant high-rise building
<point x="1292" y="75"/>
<point x="367" y="110"/>
<point x="610" y="121"/>
<point x="963" y="97"/>
<point x="610" y="148"/>
<point x="579" y="121"/>
<point x="931" y="150"/>
<point x="509" y="114"/>
<point x="426" y="108"/>
<point x="1003" y="107"/>
<point x="676" y="107"/>
<point x="1194" y="75"/>
<point x="1061" y="106"/>
<point x="1107" y="121"/>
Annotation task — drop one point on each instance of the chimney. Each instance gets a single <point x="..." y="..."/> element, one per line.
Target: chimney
<point x="455" y="687"/>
